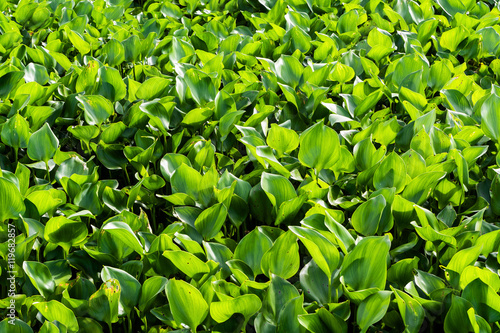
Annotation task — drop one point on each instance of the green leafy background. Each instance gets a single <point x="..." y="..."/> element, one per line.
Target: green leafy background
<point x="258" y="166"/>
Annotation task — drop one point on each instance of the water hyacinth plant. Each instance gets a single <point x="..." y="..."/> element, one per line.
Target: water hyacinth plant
<point x="268" y="166"/>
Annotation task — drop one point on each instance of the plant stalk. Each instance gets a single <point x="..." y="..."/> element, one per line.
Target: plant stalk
<point x="329" y="291"/>
<point x="153" y="217"/>
<point x="48" y="171"/>
<point x="126" y="175"/>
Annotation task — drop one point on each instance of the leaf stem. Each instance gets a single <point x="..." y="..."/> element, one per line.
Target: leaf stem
<point x="110" y="327"/>
<point x="153" y="217"/>
<point x="437" y="258"/>
<point x="330" y="291"/>
<point x="48" y="171"/>
<point x="126" y="175"/>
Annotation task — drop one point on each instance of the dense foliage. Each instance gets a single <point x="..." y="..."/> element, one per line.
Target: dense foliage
<point x="259" y="166"/>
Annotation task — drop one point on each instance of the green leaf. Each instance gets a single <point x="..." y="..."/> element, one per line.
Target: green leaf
<point x="282" y="259"/>
<point x="42" y="144"/>
<point x="252" y="248"/>
<point x="427" y="282"/>
<point x="421" y="186"/>
<point x="104" y="303"/>
<point x="111" y="85"/>
<point x="8" y="82"/>
<point x="197" y="117"/>
<point x="210" y="221"/>
<point x="342" y="73"/>
<point x="89" y="325"/>
<point x="319" y="147"/>
<point x="11" y="201"/>
<point x="314" y="282"/>
<point x="247" y="305"/>
<point x="132" y="48"/>
<point x="439" y="75"/>
<point x="323" y="322"/>
<point x="289" y="209"/>
<point x="456" y="319"/>
<point x="402" y="271"/>
<point x="170" y="162"/>
<point x="452" y="7"/>
<point x="151" y="288"/>
<point x="373" y="309"/>
<point x="288" y="319"/>
<point x="484" y="299"/>
<point x="49" y="327"/>
<point x="115" y="52"/>
<point x="65" y="232"/>
<point x="78" y="41"/>
<point x="224" y="104"/>
<point x="266" y="154"/>
<point x="379" y="37"/>
<point x="459" y="262"/>
<point x="462" y="167"/>
<point x="324" y="253"/>
<point x="289" y="70"/>
<point x="366" y="155"/>
<point x="366" y="217"/>
<point x="186" y="180"/>
<point x="152" y="88"/>
<point x="391" y="173"/>
<point x="490" y="117"/>
<point x="344" y="238"/>
<point x="36" y="73"/>
<point x="201" y="86"/>
<point x="84" y="133"/>
<point x="450" y="39"/>
<point x="180" y="49"/>
<point x="278" y="188"/>
<point x="228" y="121"/>
<point x="279" y="292"/>
<point x="207" y="187"/>
<point x="411" y="311"/>
<point x="366" y="266"/>
<point x="188" y="263"/>
<point x="112" y="132"/>
<point x="282" y="140"/>
<point x="129" y="288"/>
<point x="54" y="310"/>
<point x="470" y="273"/>
<point x="220" y="254"/>
<point x="348" y="22"/>
<point x="122" y="231"/>
<point x="97" y="109"/>
<point x="429" y="234"/>
<point x="41" y="277"/>
<point x="479" y="324"/>
<point x="368" y="103"/>
<point x="15" y="326"/>
<point x="186" y="303"/>
<point x="45" y="201"/>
